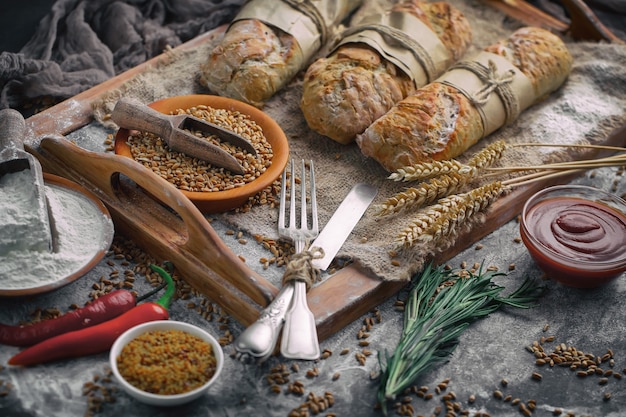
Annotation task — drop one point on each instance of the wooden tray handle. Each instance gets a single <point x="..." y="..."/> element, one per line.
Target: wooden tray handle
<point x="193" y="241"/>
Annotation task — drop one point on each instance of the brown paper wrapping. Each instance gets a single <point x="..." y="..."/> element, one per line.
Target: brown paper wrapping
<point x="308" y="21"/>
<point x="497" y="88"/>
<point x="404" y="40"/>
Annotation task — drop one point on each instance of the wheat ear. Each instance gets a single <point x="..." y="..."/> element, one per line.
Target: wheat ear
<point x="424" y="193"/>
<point x="427" y="170"/>
<point x="448" y="214"/>
<point x="488" y="155"/>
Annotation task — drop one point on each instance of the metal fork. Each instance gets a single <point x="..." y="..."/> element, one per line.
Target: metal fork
<point x="258" y="341"/>
<point x="299" y="339"/>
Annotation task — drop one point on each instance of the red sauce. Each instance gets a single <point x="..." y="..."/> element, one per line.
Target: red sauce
<point x="579" y="229"/>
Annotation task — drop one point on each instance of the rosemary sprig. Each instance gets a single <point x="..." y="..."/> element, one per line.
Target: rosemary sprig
<point x="441" y="305"/>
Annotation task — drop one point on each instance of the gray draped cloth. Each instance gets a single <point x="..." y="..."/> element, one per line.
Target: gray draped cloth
<point x="82" y="43"/>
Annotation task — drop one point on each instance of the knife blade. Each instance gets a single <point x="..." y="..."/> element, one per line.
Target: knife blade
<point x="342" y="222"/>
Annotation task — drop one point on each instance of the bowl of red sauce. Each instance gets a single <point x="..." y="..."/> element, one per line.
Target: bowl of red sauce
<point x="576" y="234"/>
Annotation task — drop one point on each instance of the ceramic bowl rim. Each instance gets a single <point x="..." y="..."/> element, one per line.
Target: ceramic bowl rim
<point x="157" y="399"/>
<point x="585" y="193"/>
<point x="219" y="201"/>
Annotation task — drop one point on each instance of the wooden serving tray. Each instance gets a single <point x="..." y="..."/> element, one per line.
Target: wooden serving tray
<point x="160" y="219"/>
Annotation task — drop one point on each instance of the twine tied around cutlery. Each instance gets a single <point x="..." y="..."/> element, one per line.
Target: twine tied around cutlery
<point x="300" y="267"/>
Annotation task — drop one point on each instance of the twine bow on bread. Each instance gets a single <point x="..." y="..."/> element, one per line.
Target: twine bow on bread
<point x="300" y="267"/>
<point x="493" y="82"/>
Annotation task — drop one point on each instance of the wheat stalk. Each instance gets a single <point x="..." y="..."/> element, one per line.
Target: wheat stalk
<point x="615" y="160"/>
<point x="570" y="145"/>
<point x="444" y="178"/>
<point x="448" y="214"/>
<point x="451" y="211"/>
<point x="427" y="170"/>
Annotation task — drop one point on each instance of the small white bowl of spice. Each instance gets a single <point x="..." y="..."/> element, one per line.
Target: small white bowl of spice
<point x="166" y="363"/>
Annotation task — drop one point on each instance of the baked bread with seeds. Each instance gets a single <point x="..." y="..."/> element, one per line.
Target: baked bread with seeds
<point x="474" y="98"/>
<point x="266" y="45"/>
<point x="360" y="81"/>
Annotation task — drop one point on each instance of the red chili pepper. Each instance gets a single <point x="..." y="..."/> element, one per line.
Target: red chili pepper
<point x="98" y="338"/>
<point x="100" y="310"/>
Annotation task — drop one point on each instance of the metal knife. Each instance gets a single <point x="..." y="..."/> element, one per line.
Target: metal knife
<point x="342" y="222"/>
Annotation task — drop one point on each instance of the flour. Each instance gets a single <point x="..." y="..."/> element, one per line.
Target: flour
<point x="21" y="227"/>
<point x="81" y="231"/>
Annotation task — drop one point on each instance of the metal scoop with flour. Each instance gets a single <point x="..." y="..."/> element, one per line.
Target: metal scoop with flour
<point x="21" y="177"/>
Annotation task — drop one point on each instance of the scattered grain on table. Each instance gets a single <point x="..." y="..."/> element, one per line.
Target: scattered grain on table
<point x="442" y="399"/>
<point x="100" y="390"/>
<point x="124" y="252"/>
<point x="313" y="372"/>
<point x="296" y="388"/>
<point x="314" y="404"/>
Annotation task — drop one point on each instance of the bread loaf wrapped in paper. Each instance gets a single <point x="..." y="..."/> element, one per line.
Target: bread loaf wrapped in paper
<point x="380" y="60"/>
<point x="470" y="101"/>
<point x="267" y="43"/>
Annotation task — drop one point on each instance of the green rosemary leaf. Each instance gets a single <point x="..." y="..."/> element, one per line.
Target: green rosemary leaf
<point x="525" y="296"/>
<point x="440" y="306"/>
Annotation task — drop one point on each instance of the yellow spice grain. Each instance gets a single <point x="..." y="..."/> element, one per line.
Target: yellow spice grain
<point x="167" y="362"/>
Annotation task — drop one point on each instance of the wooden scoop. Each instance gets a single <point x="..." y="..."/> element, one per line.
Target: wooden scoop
<point x="132" y="114"/>
<point x="31" y="233"/>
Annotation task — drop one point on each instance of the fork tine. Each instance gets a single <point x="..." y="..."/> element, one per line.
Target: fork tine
<point x="281" y="207"/>
<point x="314" y="225"/>
<point x="292" y="195"/>
<point x="304" y="224"/>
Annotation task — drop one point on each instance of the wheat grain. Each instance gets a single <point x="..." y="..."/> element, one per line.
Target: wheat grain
<point x="446" y="216"/>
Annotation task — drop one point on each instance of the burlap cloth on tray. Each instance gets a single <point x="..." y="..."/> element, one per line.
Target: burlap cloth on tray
<point x="590" y="104"/>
